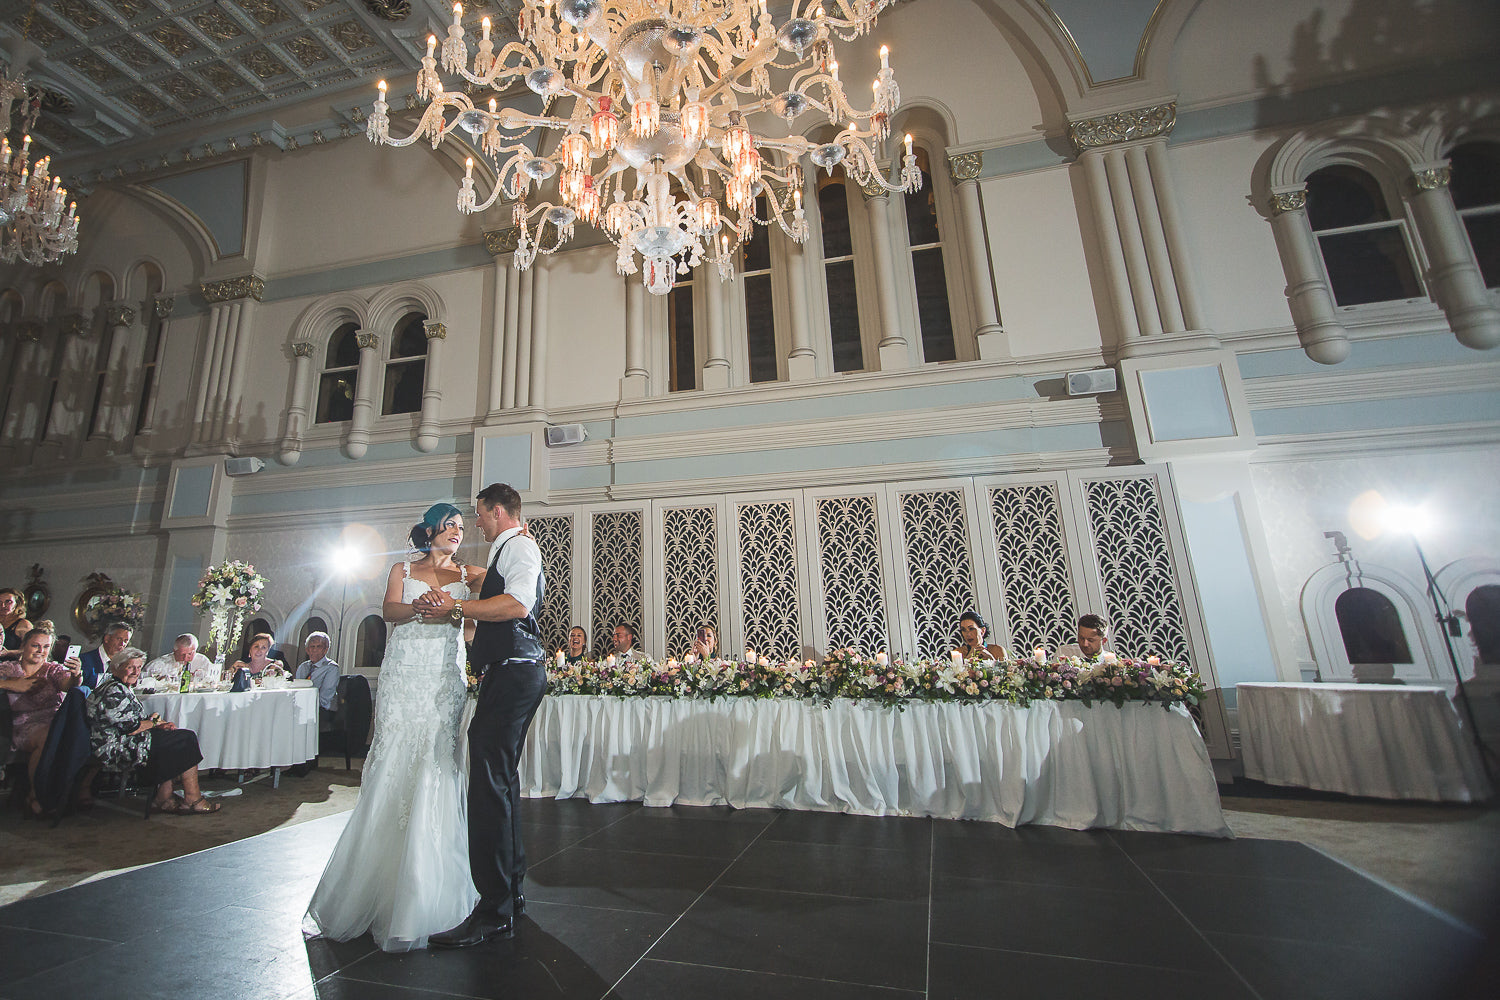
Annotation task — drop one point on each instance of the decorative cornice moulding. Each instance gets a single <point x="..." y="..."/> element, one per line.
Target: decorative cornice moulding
<point x="246" y="286"/>
<point x="435" y="330"/>
<point x="1332" y="387"/>
<point x="1432" y="178"/>
<point x="303" y="349"/>
<point x="1123" y="126"/>
<point x="119" y="314"/>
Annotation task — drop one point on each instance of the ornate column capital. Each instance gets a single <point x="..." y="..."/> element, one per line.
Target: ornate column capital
<point x="1288" y="200"/>
<point x="119" y="314"/>
<point x="1432" y="177"/>
<point x="965" y="166"/>
<point x="367" y="341"/>
<point x="872" y="189"/>
<point x="246" y="286"/>
<point x="1123" y="126"/>
<point x="302" y="349"/>
<point x="162" y="307"/>
<point x="499" y="242"/>
<point x="74" y="324"/>
<point x="435" y="330"/>
<point x="29" y="330"/>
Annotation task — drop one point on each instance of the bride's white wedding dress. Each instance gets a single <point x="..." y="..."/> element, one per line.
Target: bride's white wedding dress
<point x="401" y="868"/>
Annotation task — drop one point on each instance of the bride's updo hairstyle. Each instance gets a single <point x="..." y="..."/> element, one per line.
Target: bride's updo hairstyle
<point x="437" y="515"/>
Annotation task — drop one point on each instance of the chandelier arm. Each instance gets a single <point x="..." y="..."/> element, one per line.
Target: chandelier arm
<point x="498" y="70"/>
<point x="753" y="60"/>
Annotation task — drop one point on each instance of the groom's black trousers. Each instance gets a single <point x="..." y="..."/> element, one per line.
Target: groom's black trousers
<point x="508" y="698"/>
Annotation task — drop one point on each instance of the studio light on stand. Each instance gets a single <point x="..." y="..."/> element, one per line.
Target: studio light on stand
<point x="345" y="561"/>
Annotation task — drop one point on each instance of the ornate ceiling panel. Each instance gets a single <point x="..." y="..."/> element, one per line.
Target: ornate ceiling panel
<point x="147" y="73"/>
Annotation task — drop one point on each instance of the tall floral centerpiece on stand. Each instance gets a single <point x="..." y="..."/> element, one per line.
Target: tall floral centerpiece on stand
<point x="120" y="605"/>
<point x="229" y="593"/>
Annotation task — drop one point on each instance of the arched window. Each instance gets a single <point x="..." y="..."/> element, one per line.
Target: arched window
<point x="407" y="367"/>
<point x="838" y="268"/>
<point x="926" y="246"/>
<point x="313" y="624"/>
<point x="760" y="309"/>
<point x="1365" y="251"/>
<point x="340" y="371"/>
<point x="152" y="361"/>
<point x="1475" y="187"/>
<point x="369" y="645"/>
<point x="1371" y="627"/>
<point x="100" y="373"/>
<point x="1483" y="610"/>
<point x="682" y="345"/>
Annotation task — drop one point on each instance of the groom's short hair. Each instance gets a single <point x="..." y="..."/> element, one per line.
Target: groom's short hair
<point x="501" y="495"/>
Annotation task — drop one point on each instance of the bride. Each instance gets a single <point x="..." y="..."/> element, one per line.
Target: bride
<point x="401" y="868"/>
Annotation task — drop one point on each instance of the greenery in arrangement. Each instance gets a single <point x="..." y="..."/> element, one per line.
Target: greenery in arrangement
<point x="893" y="683"/>
<point x="229" y="593"/>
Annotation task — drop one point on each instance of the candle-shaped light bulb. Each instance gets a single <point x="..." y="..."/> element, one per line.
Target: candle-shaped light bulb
<point x="492" y="105"/>
<point x="484" y="26"/>
<point x="833" y="70"/>
<point x="885" y="57"/>
<point x="381" y="86"/>
<point x="797" y="197"/>
<point x="908" y="144"/>
<point x="431" y="45"/>
<point x="468" y="167"/>
<point x="458" y="12"/>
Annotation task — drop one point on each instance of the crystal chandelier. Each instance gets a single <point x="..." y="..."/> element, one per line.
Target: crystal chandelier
<point x="654" y="101"/>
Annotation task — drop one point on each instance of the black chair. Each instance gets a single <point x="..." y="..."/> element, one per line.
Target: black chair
<point x="12" y="771"/>
<point x="352" y="716"/>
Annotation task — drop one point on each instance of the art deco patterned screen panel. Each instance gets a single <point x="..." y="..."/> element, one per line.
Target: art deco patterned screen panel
<point x="772" y="623"/>
<point x="690" y="571"/>
<point x="1032" y="559"/>
<point x="554" y="536"/>
<point x="618" y="574"/>
<point x="850" y="561"/>
<point x="1135" y="568"/>
<point x="935" y="530"/>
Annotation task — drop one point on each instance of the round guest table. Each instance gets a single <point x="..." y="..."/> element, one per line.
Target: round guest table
<point x="264" y="728"/>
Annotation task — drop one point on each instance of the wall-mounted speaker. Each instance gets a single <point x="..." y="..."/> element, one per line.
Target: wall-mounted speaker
<point x="1092" y="382"/>
<point x="565" y="434"/>
<point x="243" y="466"/>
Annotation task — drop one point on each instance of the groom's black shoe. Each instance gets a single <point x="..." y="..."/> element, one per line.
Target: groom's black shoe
<point x="476" y="927"/>
<point x="520" y="905"/>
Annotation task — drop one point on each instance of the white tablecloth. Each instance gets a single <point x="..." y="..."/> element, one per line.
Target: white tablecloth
<point x="245" y="729"/>
<point x="1384" y="740"/>
<point x="1058" y="763"/>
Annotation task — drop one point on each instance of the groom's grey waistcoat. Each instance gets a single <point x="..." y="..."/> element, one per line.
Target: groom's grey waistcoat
<point x="518" y="639"/>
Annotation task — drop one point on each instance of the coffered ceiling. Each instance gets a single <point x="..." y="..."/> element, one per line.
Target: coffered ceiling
<point x="144" y="79"/>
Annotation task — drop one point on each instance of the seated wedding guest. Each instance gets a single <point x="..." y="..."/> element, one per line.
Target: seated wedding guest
<point x="167" y="668"/>
<point x="973" y="629"/>
<point x="260" y="660"/>
<point x="35" y="686"/>
<point x="95" y="662"/>
<point x="1092" y="634"/>
<point x="13" y="618"/>
<point x="625" y="640"/>
<point x="124" y="737"/>
<point x="578" y="644"/>
<point x="705" y="641"/>
<point x="324" y="673"/>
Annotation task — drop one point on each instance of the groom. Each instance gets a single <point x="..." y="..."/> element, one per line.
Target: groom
<point x="508" y="649"/>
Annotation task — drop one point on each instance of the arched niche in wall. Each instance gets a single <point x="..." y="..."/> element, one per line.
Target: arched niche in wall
<point x="1322" y="614"/>
<point x="1471" y="587"/>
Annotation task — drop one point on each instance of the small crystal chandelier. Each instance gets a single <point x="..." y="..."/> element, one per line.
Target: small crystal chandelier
<point x="33" y="228"/>
<point x="663" y="90"/>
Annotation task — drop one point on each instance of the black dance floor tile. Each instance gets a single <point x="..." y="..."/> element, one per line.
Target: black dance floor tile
<point x="870" y="873"/>
<point x="696" y="839"/>
<point x="339" y="988"/>
<point x="1095" y="864"/>
<point x="543" y="840"/>
<point x="657" y="980"/>
<point x="961" y="973"/>
<point x="1101" y="925"/>
<point x="872" y="942"/>
<point x="576" y="812"/>
<point x="622" y="880"/>
<point x="1210" y="856"/>
<point x="889" y="832"/>
<point x="558" y="951"/>
<point x="1388" y="968"/>
<point x="26" y="952"/>
<point x="945" y="830"/>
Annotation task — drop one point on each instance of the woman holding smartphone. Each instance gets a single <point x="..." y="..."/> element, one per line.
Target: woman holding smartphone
<point x="36" y="686"/>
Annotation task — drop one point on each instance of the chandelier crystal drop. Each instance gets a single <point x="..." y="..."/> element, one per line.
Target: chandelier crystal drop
<point x="651" y="103"/>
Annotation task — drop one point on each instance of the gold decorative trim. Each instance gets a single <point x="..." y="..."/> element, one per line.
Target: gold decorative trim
<point x="435" y="330"/>
<point x="872" y="189"/>
<point x="302" y="349"/>
<point x="1294" y="200"/>
<point x="163" y="306"/>
<point x="119" y="314"/>
<point x="1433" y="177"/>
<point x="73" y="324"/>
<point x="248" y="286"/>
<point x="502" y="241"/>
<point x="367" y="341"/>
<point x="1123" y="126"/>
<point x="965" y="166"/>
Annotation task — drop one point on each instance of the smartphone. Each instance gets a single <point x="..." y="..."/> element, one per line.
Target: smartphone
<point x="703" y="635"/>
<point x="73" y="652"/>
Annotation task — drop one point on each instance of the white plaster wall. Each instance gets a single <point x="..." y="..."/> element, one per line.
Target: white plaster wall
<point x="119" y="230"/>
<point x="586" y="331"/>
<point x="1301" y="500"/>
<point x="184" y="340"/>
<point x="129" y="561"/>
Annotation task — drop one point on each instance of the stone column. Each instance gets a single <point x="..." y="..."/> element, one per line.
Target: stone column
<point x="432" y="391"/>
<point x="988" y="333"/>
<point x="118" y="319"/>
<point x="162" y="308"/>
<point x="1154" y="238"/>
<point x="26" y="361"/>
<point x="1313" y="308"/>
<point x="527" y="282"/>
<point x="216" y="405"/>
<point x="802" y="361"/>
<point x="1457" y="285"/>
<point x="358" y="441"/>
<point x="637" y="381"/>
<point x="501" y="245"/>
<point x="895" y="352"/>
<point x="540" y="320"/>
<point x="296" y="414"/>
<point x="73" y="370"/>
<point x="1177" y="248"/>
<point x="716" y="365"/>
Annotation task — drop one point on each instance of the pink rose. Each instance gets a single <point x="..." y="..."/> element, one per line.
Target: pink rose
<point x="240" y="601"/>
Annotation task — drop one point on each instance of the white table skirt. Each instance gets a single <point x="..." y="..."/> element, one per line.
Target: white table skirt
<point x="1382" y="740"/>
<point x="237" y="730"/>
<point x="1056" y="763"/>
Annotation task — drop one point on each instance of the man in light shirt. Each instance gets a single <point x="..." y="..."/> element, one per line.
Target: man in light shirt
<point x="625" y="640"/>
<point x="1092" y="634"/>
<point x="167" y="668"/>
<point x="324" y="673"/>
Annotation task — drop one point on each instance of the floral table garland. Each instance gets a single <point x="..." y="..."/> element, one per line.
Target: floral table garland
<point x="230" y="593"/>
<point x="891" y="683"/>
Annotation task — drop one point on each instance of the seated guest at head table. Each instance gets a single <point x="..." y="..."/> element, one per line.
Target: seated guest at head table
<point x="625" y="640"/>
<point x="1092" y="634"/>
<point x="35" y="686"/>
<point x="124" y="737"/>
<point x="13" y="618"/>
<point x="705" y="642"/>
<point x="973" y="629"/>
<point x="167" y="668"/>
<point x="324" y="673"/>
<point x="259" y="663"/>
<point x="578" y="645"/>
<point x="95" y="662"/>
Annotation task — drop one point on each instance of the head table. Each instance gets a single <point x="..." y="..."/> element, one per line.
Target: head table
<point x="1136" y="767"/>
<point x="262" y="728"/>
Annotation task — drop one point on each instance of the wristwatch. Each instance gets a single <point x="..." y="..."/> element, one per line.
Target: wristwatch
<point x="457" y="614"/>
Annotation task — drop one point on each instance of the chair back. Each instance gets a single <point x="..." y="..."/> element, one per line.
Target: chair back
<point x="64" y="754"/>
<point x="355" y="710"/>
